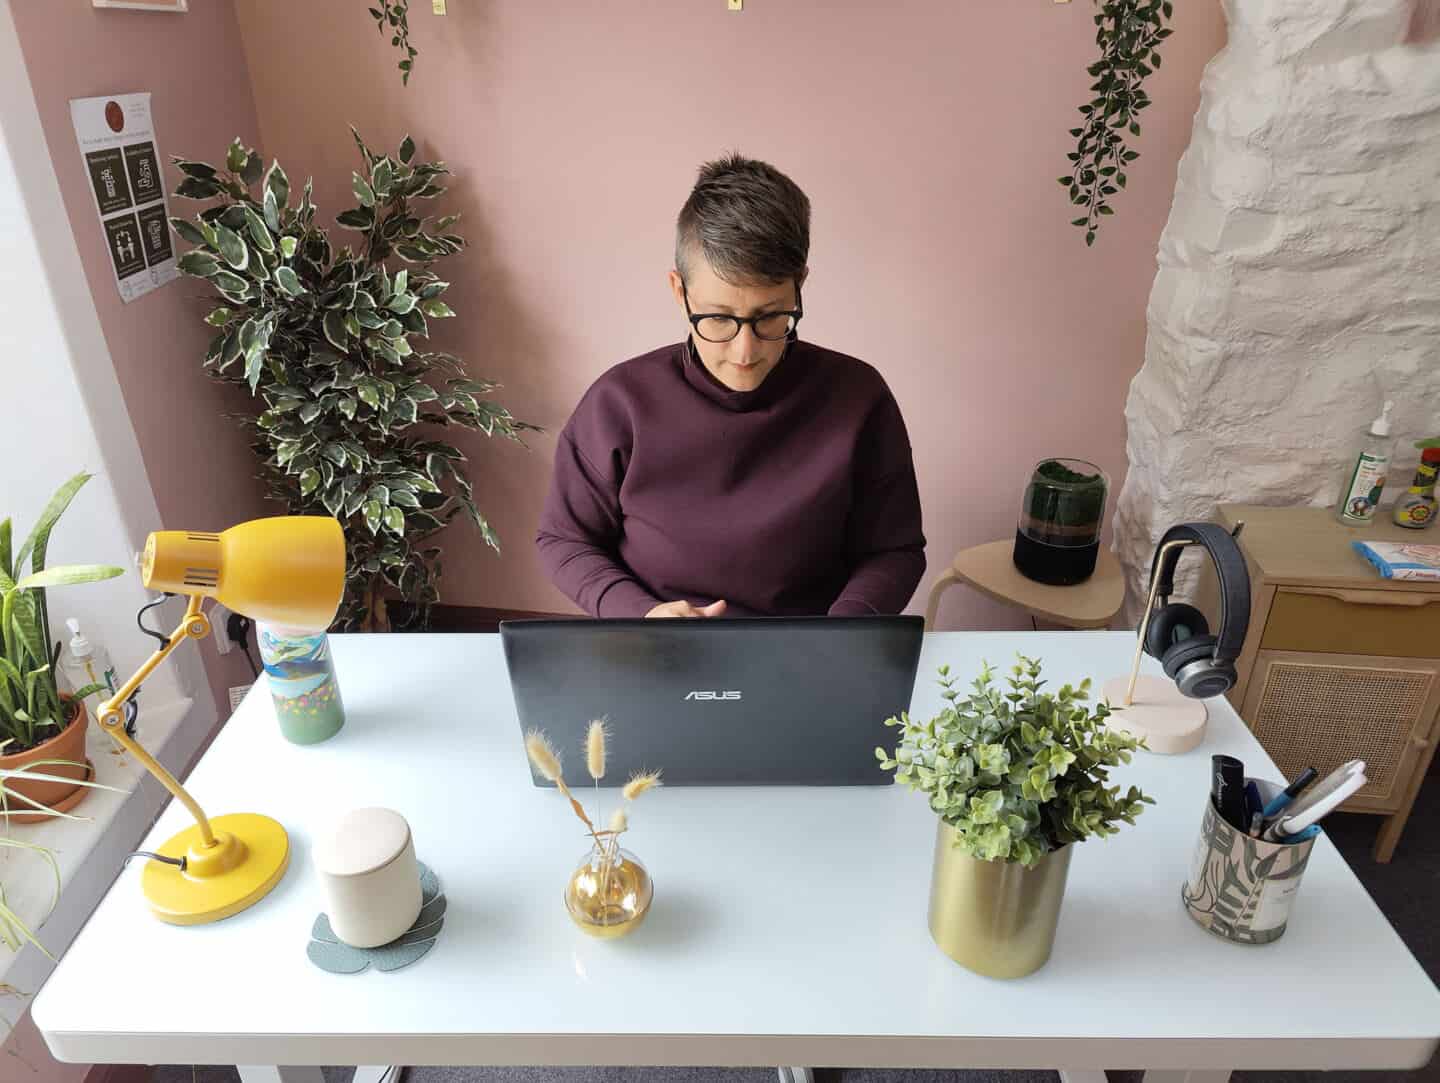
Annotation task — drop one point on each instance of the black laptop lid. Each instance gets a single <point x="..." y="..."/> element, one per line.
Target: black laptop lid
<point x="746" y="701"/>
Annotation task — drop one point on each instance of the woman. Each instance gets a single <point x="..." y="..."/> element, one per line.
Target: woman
<point x="742" y="471"/>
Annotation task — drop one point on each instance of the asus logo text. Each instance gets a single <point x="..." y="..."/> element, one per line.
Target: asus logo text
<point x="712" y="695"/>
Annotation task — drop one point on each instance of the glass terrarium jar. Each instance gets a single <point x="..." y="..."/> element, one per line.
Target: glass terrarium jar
<point x="609" y="893"/>
<point x="1058" y="539"/>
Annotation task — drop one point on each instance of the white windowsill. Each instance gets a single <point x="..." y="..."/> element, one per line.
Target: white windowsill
<point x="89" y="852"/>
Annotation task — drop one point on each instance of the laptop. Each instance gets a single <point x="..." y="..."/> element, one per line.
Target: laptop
<point x="717" y="701"/>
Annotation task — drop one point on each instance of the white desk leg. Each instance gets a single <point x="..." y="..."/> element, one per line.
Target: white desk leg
<point x="274" y="1073"/>
<point x="266" y="1073"/>
<point x="1199" y="1075"/>
<point x="1082" y="1077"/>
<point x="796" y="1075"/>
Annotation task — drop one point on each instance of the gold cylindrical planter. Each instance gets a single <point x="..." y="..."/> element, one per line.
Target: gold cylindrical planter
<point x="996" y="918"/>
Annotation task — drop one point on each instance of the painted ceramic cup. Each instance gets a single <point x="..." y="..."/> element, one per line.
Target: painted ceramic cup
<point x="302" y="683"/>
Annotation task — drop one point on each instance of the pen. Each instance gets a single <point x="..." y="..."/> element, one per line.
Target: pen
<point x="1286" y="829"/>
<point x="1290" y="792"/>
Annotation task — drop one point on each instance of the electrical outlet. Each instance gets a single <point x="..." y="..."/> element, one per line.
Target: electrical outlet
<point x="438" y="7"/>
<point x="219" y="615"/>
<point x="737" y="5"/>
<point x="237" y="693"/>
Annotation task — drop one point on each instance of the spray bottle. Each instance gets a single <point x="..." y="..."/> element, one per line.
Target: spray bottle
<point x="1365" y="477"/>
<point x="1416" y="506"/>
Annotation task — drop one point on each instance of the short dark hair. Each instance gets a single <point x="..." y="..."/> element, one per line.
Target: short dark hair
<point x="751" y="222"/>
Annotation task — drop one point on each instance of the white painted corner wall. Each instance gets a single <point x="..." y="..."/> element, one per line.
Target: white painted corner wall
<point x="64" y="414"/>
<point x="1297" y="282"/>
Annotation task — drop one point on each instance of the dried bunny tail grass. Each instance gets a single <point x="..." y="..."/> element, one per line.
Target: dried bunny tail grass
<point x="543" y="755"/>
<point x="595" y="750"/>
<point x="638" y="784"/>
<point x="619" y="823"/>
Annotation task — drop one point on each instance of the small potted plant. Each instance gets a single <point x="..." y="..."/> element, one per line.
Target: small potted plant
<point x="1016" y="777"/>
<point x="39" y="726"/>
<point x="1057" y="540"/>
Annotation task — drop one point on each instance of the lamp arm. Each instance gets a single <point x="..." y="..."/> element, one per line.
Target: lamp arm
<point x="1149" y="609"/>
<point x="194" y="625"/>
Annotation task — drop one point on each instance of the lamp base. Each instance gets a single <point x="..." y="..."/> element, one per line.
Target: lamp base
<point x="1170" y="722"/>
<point x="250" y="855"/>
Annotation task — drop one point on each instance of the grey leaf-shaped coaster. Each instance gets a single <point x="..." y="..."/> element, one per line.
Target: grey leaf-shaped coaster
<point x="329" y="952"/>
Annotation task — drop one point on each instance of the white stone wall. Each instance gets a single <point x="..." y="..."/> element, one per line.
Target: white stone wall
<point x="1299" y="273"/>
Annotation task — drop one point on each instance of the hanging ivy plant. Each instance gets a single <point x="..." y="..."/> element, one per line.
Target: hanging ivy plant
<point x="393" y="17"/>
<point x="1129" y="33"/>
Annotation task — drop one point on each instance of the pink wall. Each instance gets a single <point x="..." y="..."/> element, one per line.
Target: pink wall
<point x="199" y="465"/>
<point x="928" y="135"/>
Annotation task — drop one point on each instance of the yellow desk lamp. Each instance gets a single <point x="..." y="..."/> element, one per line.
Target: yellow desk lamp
<point x="288" y="571"/>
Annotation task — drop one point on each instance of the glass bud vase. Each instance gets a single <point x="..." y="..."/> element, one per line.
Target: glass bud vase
<point x="609" y="893"/>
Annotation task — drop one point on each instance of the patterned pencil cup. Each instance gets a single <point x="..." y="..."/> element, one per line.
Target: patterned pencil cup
<point x="1242" y="888"/>
<point x="302" y="683"/>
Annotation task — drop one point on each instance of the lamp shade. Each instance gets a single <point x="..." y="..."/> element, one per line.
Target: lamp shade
<point x="288" y="571"/>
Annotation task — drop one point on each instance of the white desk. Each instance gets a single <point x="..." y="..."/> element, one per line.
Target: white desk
<point x="788" y="926"/>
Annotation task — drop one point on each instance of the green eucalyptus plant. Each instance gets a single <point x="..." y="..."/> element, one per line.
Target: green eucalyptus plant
<point x="1129" y="33"/>
<point x="31" y="710"/>
<point x="1019" y="773"/>
<point x="323" y="337"/>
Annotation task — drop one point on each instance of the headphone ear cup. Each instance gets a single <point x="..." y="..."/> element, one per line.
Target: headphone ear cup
<point x="1195" y="649"/>
<point x="1193" y="668"/>
<point x="1171" y="625"/>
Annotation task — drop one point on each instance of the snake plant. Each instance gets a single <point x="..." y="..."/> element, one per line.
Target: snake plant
<point x="30" y="705"/>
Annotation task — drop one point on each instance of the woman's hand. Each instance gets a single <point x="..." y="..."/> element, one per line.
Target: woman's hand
<point x="685" y="609"/>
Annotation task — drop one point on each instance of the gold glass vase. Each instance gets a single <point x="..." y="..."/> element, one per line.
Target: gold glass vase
<point x="609" y="893"/>
<point x="996" y="918"/>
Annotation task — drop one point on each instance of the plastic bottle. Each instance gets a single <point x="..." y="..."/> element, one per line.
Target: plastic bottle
<point x="84" y="662"/>
<point x="1365" y="478"/>
<point x="1416" y="506"/>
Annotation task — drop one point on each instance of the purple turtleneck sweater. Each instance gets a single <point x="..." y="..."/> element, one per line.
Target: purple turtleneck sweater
<point x="796" y="498"/>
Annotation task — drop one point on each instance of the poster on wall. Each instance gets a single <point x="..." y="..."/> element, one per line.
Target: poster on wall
<point x="122" y="164"/>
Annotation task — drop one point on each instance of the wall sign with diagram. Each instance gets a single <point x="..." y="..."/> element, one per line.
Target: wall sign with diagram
<point x="117" y="142"/>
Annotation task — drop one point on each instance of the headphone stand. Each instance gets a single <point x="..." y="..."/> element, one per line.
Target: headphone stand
<point x="1152" y="707"/>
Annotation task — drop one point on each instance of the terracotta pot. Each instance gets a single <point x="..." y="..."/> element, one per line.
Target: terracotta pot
<point x="68" y="744"/>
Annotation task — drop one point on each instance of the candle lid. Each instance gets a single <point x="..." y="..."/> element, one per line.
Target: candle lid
<point x="363" y="840"/>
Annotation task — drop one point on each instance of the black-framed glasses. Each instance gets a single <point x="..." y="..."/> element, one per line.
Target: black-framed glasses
<point x="722" y="327"/>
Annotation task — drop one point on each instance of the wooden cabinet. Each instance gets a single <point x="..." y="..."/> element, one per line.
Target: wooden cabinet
<point x="1338" y="663"/>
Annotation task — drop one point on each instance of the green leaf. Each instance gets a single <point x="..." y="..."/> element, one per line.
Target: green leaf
<point x="395" y="520"/>
<point x="287" y="246"/>
<point x="407" y="149"/>
<point x="254" y="362"/>
<point x="199" y="264"/>
<point x="437" y="310"/>
<point x="289" y="281"/>
<point x="235" y="157"/>
<point x="402" y="279"/>
<point x="271" y="210"/>
<point x="232" y="248"/>
<point x="187" y="231"/>
<point x="278" y="184"/>
<point x="67" y="575"/>
<point x="401" y="303"/>
<point x="309" y="481"/>
<point x="199" y="170"/>
<point x="253" y="166"/>
<point x="363" y="192"/>
<point x="360" y="218"/>
<point x="381" y="178"/>
<point x="259" y="233"/>
<point x="373" y="514"/>
<point x="335" y="331"/>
